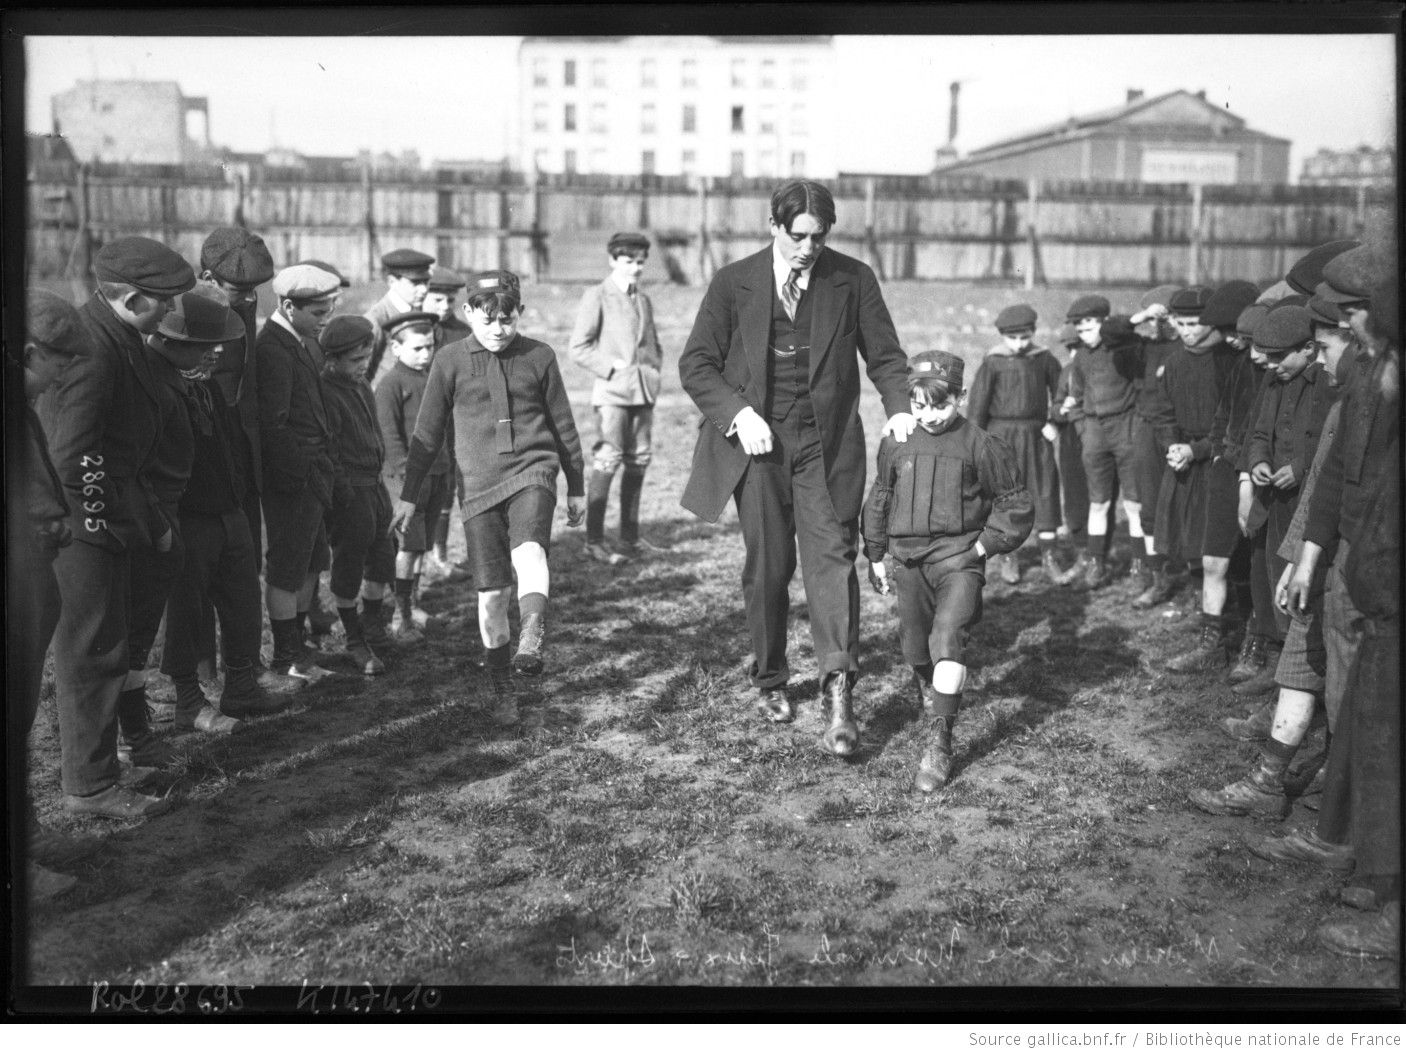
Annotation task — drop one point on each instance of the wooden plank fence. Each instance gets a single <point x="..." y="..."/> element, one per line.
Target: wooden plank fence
<point x="554" y="228"/>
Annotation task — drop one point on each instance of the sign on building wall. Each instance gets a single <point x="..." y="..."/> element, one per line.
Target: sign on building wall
<point x="1188" y="166"/>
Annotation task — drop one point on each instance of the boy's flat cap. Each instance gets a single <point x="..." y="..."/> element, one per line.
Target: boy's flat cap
<point x="1307" y="271"/>
<point x="144" y="264"/>
<point x="1350" y="276"/>
<point x="940" y="366"/>
<point x="396" y="323"/>
<point x="342" y="279"/>
<point x="1089" y="307"/>
<point x="1223" y="306"/>
<point x="237" y="256"/>
<point x="1190" y="300"/>
<point x="627" y="241"/>
<point x="1284" y="330"/>
<point x="1249" y="318"/>
<point x="1324" y="310"/>
<point x="445" y="280"/>
<point x="305" y="282"/>
<point x="1158" y="295"/>
<point x="1117" y="331"/>
<point x="53" y="321"/>
<point x="494" y="282"/>
<point x="1017" y="316"/>
<point x="346" y="332"/>
<point x="408" y="263"/>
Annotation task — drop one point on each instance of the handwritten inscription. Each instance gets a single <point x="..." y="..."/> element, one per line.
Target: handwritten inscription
<point x="161" y="999"/>
<point x="366" y="998"/>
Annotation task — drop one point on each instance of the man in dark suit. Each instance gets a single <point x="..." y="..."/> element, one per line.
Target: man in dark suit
<point x="771" y="364"/>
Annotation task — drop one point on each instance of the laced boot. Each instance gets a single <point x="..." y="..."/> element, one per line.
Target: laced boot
<point x="403" y="628"/>
<point x="1140" y="574"/>
<point x="935" y="766"/>
<point x="373" y="623"/>
<point x="143" y="747"/>
<point x="841" y="736"/>
<point x="1160" y="589"/>
<point x="1260" y="793"/>
<point x="1250" y="661"/>
<point x="1208" y="653"/>
<point x="357" y="647"/>
<point x="1263" y="679"/>
<point x="1009" y="568"/>
<point x="1376" y="936"/>
<point x="1097" y="574"/>
<point x="504" y="710"/>
<point x="195" y="712"/>
<point x="1077" y="570"/>
<point x="243" y="697"/>
<point x="1252" y="729"/>
<point x="1049" y="564"/>
<point x="531" y="636"/>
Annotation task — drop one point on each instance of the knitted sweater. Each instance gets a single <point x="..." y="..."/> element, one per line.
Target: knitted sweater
<point x="458" y="395"/>
<point x="357" y="448"/>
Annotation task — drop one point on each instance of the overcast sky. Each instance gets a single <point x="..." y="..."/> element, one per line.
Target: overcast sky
<point x="335" y="95"/>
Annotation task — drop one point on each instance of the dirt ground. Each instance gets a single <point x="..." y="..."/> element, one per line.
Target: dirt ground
<point x="643" y="826"/>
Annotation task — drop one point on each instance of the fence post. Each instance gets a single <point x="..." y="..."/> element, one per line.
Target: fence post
<point x="1361" y="209"/>
<point x="83" y="238"/>
<point x="704" y="250"/>
<point x="238" y="217"/>
<point x="368" y="196"/>
<point x="535" y="227"/>
<point x="505" y="222"/>
<point x="871" y="240"/>
<point x="1194" y="268"/>
<point x="1032" y="229"/>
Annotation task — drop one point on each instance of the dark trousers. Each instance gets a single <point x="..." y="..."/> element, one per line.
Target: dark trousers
<point x="1281" y="514"/>
<point x="153" y="574"/>
<point x="90" y="662"/>
<point x="783" y="501"/>
<point x="1262" y="585"/>
<point x="1110" y="460"/>
<point x="360" y="534"/>
<point x="938" y="602"/>
<point x="1074" y="487"/>
<point x="219" y="575"/>
<point x="31" y="613"/>
<point x="254" y="523"/>
<point x="1151" y="464"/>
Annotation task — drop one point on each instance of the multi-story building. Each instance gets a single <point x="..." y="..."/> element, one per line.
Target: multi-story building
<point x="715" y="106"/>
<point x="1177" y="137"/>
<point x="133" y="120"/>
<point x="1363" y="167"/>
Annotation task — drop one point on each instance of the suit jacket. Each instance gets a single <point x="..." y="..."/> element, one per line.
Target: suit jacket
<point x="293" y="421"/>
<point x="236" y="373"/>
<point x="607" y="328"/>
<point x="723" y="368"/>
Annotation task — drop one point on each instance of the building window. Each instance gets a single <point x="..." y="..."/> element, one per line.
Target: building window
<point x="598" y="121"/>
<point x="739" y="73"/>
<point x="737" y="125"/>
<point x="768" y="73"/>
<point x="690" y="118"/>
<point x="689" y="162"/>
<point x="568" y="73"/>
<point x="798" y="75"/>
<point x="598" y="74"/>
<point x="647" y="163"/>
<point x="539" y="73"/>
<point x="568" y="161"/>
<point x="798" y="162"/>
<point x="738" y="163"/>
<point x="649" y="73"/>
<point x="689" y="78"/>
<point x="766" y="124"/>
<point x="648" y="121"/>
<point x="539" y="117"/>
<point x="568" y="122"/>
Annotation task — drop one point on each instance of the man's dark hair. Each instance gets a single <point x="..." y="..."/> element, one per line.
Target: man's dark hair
<point x="801" y="197"/>
<point x="933" y="389"/>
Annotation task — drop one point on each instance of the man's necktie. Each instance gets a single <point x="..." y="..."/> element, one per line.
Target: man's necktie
<point x="791" y="294"/>
<point x="500" y="403"/>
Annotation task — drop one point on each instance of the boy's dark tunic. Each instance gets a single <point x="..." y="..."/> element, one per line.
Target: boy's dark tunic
<point x="360" y="518"/>
<point x="1105" y="381"/>
<point x="1151" y="459"/>
<point x="1074" y="487"/>
<point x="933" y="498"/>
<point x="1191" y="507"/>
<point x="399" y="393"/>
<point x="1010" y="399"/>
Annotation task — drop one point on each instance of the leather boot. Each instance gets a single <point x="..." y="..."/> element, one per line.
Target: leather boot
<point x="373" y="623"/>
<point x="243" y="698"/>
<point x="532" y="635"/>
<point x="1263" y="679"/>
<point x="1077" y="570"/>
<point x="1159" y="590"/>
<point x="1097" y="574"/>
<point x="195" y="713"/>
<point x="1252" y="729"/>
<point x="597" y="498"/>
<point x="1208" y="653"/>
<point x="143" y="746"/>
<point x="1250" y="661"/>
<point x="403" y="629"/>
<point x="360" y="652"/>
<point x="1050" y="565"/>
<point x="1375" y="936"/>
<point x="935" y="766"/>
<point x="631" y="486"/>
<point x="1138" y="572"/>
<point x="1260" y="793"/>
<point x="1009" y="569"/>
<point x="504" y="710"/>
<point x="841" y="736"/>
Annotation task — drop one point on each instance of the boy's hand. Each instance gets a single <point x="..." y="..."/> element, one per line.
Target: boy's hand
<point x="879" y="578"/>
<point x="575" y="509"/>
<point x="1067" y="405"/>
<point x="1178" y="456"/>
<point x="1260" y="475"/>
<point x="1050" y="432"/>
<point x="752" y="432"/>
<point x="404" y="510"/>
<point x="1281" y="590"/>
<point x="1300" y="582"/>
<point x="1284" y="479"/>
<point x="900" y="426"/>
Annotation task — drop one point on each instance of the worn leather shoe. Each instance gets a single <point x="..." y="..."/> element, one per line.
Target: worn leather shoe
<point x="1252" y="795"/>
<point x="841" y="736"/>
<point x="1261" y="682"/>
<point x="1376" y="936"/>
<point x="774" y="706"/>
<point x="117" y="803"/>
<point x="1304" y="847"/>
<point x="532" y="635"/>
<point x="207" y="719"/>
<point x="1250" y="660"/>
<point x="505" y="711"/>
<point x="601" y="554"/>
<point x="365" y="659"/>
<point x="1162" y="589"/>
<point x="1208" y="653"/>
<point x="1252" y="729"/>
<point x="1010" y="569"/>
<point x="1049" y="565"/>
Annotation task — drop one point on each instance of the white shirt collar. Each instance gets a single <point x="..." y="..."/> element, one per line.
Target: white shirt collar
<point x="622" y="284"/>
<point x="781" y="270"/>
<point x="280" y="320"/>
<point x="401" y="307"/>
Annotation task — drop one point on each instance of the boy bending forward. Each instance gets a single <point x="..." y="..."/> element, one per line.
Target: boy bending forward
<point x="941" y="504"/>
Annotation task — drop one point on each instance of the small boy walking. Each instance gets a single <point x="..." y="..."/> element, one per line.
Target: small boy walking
<point x="615" y="339"/>
<point x="503" y="396"/>
<point x="942" y="502"/>
<point x="359" y="521"/>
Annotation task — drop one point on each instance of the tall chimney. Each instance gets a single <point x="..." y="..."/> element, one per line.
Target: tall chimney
<point x="956" y="89"/>
<point x="1134" y="94"/>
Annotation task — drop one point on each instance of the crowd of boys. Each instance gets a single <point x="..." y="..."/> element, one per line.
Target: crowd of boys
<point x="174" y="454"/>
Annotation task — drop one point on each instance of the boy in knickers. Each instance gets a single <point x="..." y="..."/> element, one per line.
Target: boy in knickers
<point x="942" y="502"/>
